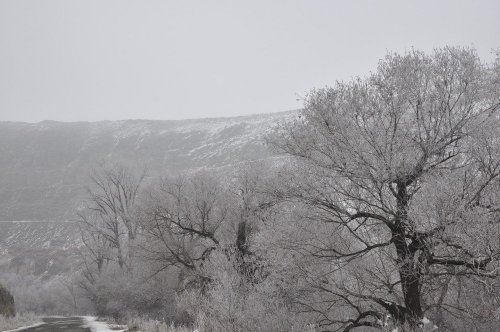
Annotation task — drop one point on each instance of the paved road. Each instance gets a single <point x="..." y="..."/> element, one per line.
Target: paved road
<point x="66" y="324"/>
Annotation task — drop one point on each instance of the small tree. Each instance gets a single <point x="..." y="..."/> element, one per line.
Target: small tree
<point x="402" y="171"/>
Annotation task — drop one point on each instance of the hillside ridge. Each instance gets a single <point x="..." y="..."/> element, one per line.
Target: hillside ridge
<point x="44" y="166"/>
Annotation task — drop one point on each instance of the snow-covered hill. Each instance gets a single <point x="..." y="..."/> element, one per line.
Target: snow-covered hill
<point x="44" y="166"/>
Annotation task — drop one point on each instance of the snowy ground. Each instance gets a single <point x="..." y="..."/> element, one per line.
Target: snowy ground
<point x="96" y="326"/>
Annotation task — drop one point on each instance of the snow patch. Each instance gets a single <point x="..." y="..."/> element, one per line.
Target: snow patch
<point x="96" y="326"/>
<point x="428" y="325"/>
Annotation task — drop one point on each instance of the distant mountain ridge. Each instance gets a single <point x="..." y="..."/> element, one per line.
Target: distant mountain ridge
<point x="44" y="166"/>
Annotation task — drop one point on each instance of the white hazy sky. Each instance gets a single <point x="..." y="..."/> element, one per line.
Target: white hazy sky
<point x="104" y="60"/>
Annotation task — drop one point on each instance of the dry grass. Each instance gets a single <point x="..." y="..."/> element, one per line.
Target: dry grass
<point x="24" y="319"/>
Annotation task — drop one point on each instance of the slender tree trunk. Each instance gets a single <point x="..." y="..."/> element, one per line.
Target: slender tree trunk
<point x="131" y="252"/>
<point x="121" y="260"/>
<point x="241" y="238"/>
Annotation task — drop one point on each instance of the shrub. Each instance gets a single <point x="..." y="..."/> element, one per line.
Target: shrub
<point x="7" y="307"/>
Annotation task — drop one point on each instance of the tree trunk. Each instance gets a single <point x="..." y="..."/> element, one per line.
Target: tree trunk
<point x="241" y="238"/>
<point x="408" y="272"/>
<point x="131" y="252"/>
<point x="121" y="260"/>
<point x="410" y="283"/>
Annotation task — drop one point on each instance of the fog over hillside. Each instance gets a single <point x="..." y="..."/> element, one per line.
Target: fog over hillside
<point x="44" y="166"/>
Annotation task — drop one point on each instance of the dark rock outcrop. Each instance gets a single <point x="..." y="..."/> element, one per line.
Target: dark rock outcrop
<point x="7" y="307"/>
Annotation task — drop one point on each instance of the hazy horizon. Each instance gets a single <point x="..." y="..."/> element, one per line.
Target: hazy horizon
<point x="208" y="117"/>
<point x="165" y="60"/>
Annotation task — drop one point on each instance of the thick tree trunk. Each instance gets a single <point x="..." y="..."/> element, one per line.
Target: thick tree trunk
<point x="408" y="272"/>
<point x="410" y="283"/>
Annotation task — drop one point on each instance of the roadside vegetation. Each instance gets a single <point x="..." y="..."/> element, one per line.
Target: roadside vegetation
<point x="21" y="319"/>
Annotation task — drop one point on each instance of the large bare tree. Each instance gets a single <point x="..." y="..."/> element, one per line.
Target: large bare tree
<point x="108" y="223"/>
<point x="401" y="171"/>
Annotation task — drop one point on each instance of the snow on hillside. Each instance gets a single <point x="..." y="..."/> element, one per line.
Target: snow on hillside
<point x="38" y="248"/>
<point x="44" y="166"/>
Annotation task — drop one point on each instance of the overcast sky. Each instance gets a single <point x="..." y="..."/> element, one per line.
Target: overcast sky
<point x="104" y="60"/>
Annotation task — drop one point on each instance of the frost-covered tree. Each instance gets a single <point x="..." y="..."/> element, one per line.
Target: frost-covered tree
<point x="187" y="218"/>
<point x="399" y="177"/>
<point x="184" y="222"/>
<point x="108" y="223"/>
<point x="109" y="228"/>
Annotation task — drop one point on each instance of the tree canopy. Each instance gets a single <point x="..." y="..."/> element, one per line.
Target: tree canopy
<point x="403" y="167"/>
